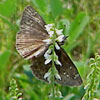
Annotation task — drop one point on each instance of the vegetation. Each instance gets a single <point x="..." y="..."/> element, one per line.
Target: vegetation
<point x="80" y="20"/>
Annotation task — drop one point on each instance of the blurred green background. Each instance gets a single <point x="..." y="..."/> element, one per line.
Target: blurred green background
<point x="80" y="20"/>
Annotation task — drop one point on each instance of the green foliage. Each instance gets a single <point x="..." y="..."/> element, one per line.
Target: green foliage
<point x="5" y="55"/>
<point x="80" y="21"/>
<point x="93" y="79"/>
<point x="41" y="4"/>
<point x="5" y="20"/>
<point x="76" y="29"/>
<point x="56" y="7"/>
<point x="8" y="8"/>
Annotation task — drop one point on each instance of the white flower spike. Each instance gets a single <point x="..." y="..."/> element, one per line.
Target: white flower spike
<point x="59" y="38"/>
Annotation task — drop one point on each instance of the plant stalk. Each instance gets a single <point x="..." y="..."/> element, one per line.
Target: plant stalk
<point x="53" y="68"/>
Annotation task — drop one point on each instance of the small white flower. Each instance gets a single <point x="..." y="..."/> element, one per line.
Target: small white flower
<point x="60" y="94"/>
<point x="57" y="76"/>
<point x="51" y="33"/>
<point x="14" y="97"/>
<point x="47" y="61"/>
<point x="20" y="99"/>
<point x="47" y="75"/>
<point x="59" y="32"/>
<point x="60" y="38"/>
<point x="48" y="41"/>
<point x="47" y="56"/>
<point x="48" y="51"/>
<point x="58" y="62"/>
<point x="16" y="89"/>
<point x="57" y="46"/>
<point x="49" y="26"/>
<point x="19" y="94"/>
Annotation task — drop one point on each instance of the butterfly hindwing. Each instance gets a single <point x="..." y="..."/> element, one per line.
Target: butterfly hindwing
<point x="68" y="72"/>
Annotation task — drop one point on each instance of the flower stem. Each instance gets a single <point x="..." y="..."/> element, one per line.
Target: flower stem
<point x="53" y="68"/>
<point x="53" y="87"/>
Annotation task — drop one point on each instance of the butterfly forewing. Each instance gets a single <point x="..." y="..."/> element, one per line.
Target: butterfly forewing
<point x="31" y="19"/>
<point x="29" y="40"/>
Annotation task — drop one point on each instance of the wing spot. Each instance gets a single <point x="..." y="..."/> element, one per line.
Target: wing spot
<point x="70" y="67"/>
<point x="67" y="75"/>
<point x="76" y="76"/>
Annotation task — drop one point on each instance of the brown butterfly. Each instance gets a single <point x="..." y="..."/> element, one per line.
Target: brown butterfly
<point x="30" y="45"/>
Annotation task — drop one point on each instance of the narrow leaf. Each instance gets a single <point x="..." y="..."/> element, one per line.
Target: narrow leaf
<point x="56" y="7"/>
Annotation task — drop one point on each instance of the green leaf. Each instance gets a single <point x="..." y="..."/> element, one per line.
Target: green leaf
<point x="4" y="58"/>
<point x="8" y="7"/>
<point x="90" y="46"/>
<point x="68" y="97"/>
<point x="34" y="96"/>
<point x="12" y="26"/>
<point x="91" y="43"/>
<point x="65" y="25"/>
<point x="41" y="4"/>
<point x="1" y="95"/>
<point x="56" y="8"/>
<point x="76" y="29"/>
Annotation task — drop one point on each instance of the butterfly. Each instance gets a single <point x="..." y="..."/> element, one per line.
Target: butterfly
<point x="30" y="45"/>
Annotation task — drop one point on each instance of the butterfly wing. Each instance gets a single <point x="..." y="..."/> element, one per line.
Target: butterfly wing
<point x="31" y="18"/>
<point x="29" y="40"/>
<point x="68" y="72"/>
<point x="39" y="68"/>
<point x="29" y="43"/>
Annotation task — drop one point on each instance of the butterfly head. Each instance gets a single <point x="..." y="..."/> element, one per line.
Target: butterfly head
<point x="64" y="39"/>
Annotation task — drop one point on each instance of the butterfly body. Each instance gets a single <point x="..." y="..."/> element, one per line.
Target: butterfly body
<point x="30" y="45"/>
